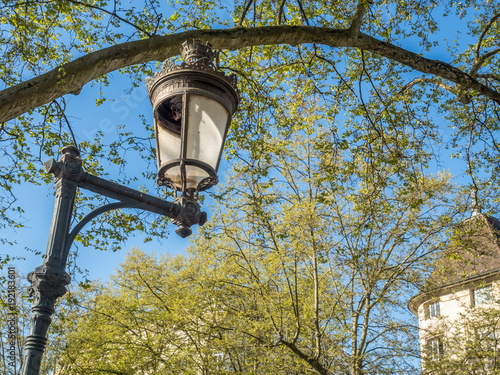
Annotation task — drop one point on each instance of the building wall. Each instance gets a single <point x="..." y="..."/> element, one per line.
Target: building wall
<point x="452" y="306"/>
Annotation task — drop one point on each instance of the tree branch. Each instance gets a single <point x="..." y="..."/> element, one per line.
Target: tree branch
<point x="489" y="76"/>
<point x="72" y="76"/>
<point x="244" y="13"/>
<point x="63" y="114"/>
<point x="461" y="94"/>
<point x="359" y="14"/>
<point x="478" y="59"/>
<point x="112" y="14"/>
<point x="280" y="13"/>
<point x="426" y="80"/>
<point x="314" y="363"/>
<point x="483" y="34"/>
<point x="302" y="11"/>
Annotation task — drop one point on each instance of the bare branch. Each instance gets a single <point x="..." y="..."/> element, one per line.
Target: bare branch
<point x="359" y="14"/>
<point x="62" y="110"/>
<point x="314" y="363"/>
<point x="303" y="12"/>
<point x="10" y="134"/>
<point x="426" y="80"/>
<point x="489" y="76"/>
<point x="245" y="11"/>
<point x="491" y="53"/>
<point x="280" y="13"/>
<point x="483" y="34"/>
<point x="478" y="59"/>
<point x="113" y="14"/>
<point x="459" y="92"/>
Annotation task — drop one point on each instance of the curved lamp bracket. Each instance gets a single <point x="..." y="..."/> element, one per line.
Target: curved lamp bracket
<point x="108" y="207"/>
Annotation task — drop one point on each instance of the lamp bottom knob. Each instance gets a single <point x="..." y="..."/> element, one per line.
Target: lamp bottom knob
<point x="183" y="231"/>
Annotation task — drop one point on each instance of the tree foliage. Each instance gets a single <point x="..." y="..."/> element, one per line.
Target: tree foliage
<point x="329" y="247"/>
<point x="166" y="313"/>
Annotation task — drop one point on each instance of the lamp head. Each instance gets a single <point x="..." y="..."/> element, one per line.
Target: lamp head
<point x="192" y="104"/>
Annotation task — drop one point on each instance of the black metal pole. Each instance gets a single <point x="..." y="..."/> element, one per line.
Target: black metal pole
<point x="48" y="281"/>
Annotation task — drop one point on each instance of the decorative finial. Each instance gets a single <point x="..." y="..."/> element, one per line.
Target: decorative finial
<point x="71" y="150"/>
<point x="195" y="51"/>
<point x="197" y="56"/>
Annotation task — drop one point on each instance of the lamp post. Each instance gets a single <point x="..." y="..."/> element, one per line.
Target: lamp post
<point x="192" y="105"/>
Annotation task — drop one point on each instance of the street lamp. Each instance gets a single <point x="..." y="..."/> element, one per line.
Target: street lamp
<point x="193" y="104"/>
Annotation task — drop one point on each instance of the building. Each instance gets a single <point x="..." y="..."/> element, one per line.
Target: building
<point x="459" y="310"/>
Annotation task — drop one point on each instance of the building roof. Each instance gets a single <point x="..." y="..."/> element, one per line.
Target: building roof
<point x="472" y="254"/>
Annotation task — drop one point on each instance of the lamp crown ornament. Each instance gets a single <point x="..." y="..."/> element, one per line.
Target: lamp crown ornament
<point x="196" y="52"/>
<point x="196" y="55"/>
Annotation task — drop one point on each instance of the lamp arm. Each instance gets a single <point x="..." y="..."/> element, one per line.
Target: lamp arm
<point x="130" y="196"/>
<point x="184" y="211"/>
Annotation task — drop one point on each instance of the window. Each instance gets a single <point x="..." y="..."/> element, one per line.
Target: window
<point x="219" y="357"/>
<point x="486" y="340"/>
<point x="432" y="310"/>
<point x="435" y="348"/>
<point x="482" y="295"/>
<point x="483" y="351"/>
